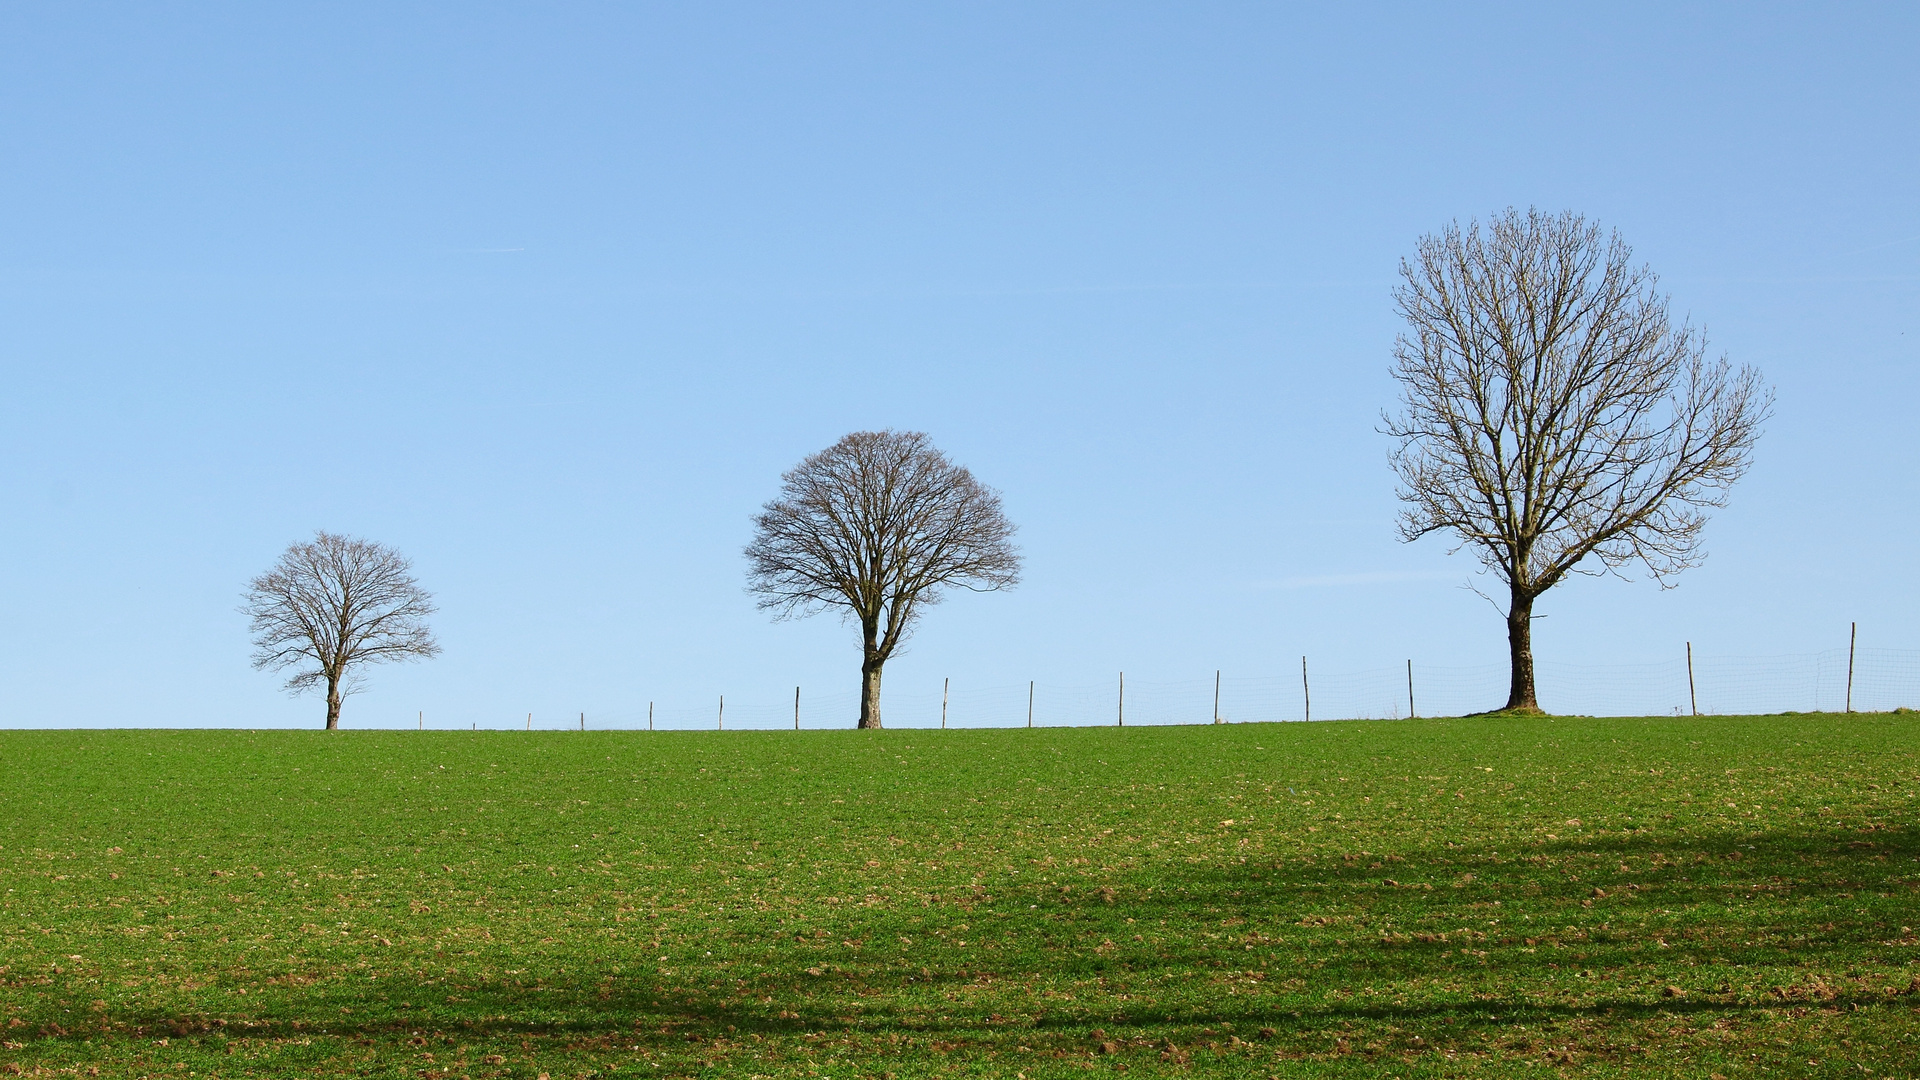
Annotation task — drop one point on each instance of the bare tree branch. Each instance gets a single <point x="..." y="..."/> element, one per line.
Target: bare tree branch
<point x="1555" y="418"/>
<point x="879" y="524"/>
<point x="333" y="605"/>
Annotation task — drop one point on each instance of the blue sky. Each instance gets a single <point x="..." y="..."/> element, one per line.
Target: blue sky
<point x="547" y="296"/>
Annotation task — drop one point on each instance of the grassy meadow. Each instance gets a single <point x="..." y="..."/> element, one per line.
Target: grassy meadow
<point x="1488" y="897"/>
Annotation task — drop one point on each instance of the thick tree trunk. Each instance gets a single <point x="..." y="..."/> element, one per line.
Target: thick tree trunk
<point x="870" y="663"/>
<point x="333" y="703"/>
<point x="870" y="694"/>
<point x="1520" y="694"/>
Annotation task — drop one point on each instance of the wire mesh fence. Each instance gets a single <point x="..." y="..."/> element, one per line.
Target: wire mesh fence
<point x="1865" y="680"/>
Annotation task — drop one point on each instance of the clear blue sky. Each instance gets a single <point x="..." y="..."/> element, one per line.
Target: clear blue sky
<point x="547" y="296"/>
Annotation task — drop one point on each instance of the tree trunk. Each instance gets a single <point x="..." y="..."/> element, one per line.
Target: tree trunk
<point x="870" y="693"/>
<point x="333" y="703"/>
<point x="1520" y="695"/>
<point x="870" y="664"/>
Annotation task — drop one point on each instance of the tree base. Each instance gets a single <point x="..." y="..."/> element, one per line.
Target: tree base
<point x="1524" y="710"/>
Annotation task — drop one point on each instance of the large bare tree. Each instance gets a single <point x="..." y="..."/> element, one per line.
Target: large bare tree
<point x="1556" y="418"/>
<point x="333" y="605"/>
<point x="878" y="525"/>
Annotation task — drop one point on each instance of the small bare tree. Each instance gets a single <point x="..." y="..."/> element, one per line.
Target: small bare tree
<point x="332" y="605"/>
<point x="1554" y="413"/>
<point x="878" y="525"/>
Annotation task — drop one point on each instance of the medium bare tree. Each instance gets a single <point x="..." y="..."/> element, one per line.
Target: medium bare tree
<point x="333" y="605"/>
<point x="879" y="524"/>
<point x="1556" y="419"/>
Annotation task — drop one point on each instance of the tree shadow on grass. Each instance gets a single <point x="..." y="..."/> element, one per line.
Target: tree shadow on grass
<point x="1805" y="904"/>
<point x="700" y="1024"/>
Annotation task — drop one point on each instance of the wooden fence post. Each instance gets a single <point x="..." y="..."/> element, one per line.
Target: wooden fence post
<point x="1853" y="638"/>
<point x="1693" y="696"/>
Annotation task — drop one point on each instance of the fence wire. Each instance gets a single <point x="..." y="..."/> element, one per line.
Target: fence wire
<point x="1881" y="680"/>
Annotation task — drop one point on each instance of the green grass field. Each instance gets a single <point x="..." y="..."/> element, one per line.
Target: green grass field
<point x="1683" y="897"/>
